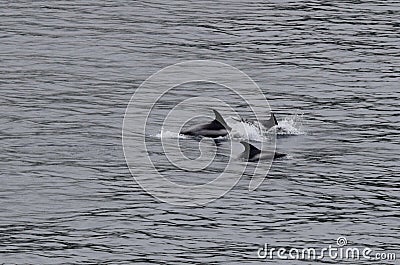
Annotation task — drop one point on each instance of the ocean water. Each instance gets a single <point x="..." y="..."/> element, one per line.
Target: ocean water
<point x="330" y="72"/>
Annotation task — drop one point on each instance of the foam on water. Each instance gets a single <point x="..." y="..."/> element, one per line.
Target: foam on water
<point x="291" y="125"/>
<point x="254" y="131"/>
<point x="246" y="131"/>
<point x="168" y="134"/>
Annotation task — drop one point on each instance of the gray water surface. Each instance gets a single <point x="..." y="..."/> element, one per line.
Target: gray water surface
<point x="69" y="68"/>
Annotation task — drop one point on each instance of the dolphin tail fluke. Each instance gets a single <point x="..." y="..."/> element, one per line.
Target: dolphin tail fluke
<point x="220" y="119"/>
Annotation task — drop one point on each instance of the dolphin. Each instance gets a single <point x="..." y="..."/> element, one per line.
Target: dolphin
<point x="267" y="124"/>
<point x="253" y="154"/>
<point x="218" y="127"/>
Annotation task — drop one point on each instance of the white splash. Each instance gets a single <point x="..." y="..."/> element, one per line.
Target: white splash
<point x="245" y="130"/>
<point x="167" y="134"/>
<point x="291" y="125"/>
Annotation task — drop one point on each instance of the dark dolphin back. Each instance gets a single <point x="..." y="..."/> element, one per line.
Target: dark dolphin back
<point x="214" y="125"/>
<point x="249" y="150"/>
<point x="219" y="121"/>
<point x="218" y="127"/>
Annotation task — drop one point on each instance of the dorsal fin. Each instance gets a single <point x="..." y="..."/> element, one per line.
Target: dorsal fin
<point x="249" y="150"/>
<point x="274" y="118"/>
<point x="218" y="117"/>
<point x="268" y="124"/>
